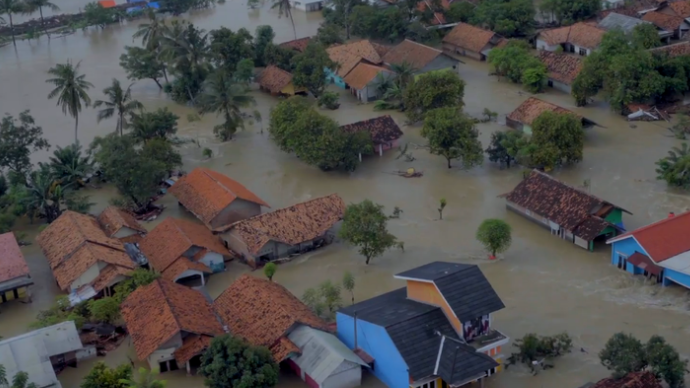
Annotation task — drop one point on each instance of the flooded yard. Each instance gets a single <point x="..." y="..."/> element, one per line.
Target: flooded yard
<point x="547" y="285"/>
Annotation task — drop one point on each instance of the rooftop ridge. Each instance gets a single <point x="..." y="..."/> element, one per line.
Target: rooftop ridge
<point x="652" y="225"/>
<point x="577" y="189"/>
<point x="206" y="172"/>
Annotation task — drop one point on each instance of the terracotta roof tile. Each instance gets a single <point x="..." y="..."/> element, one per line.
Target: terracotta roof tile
<point x="580" y="34"/>
<point x="663" y="239"/>
<point x="529" y="110"/>
<point x="191" y="346"/>
<point x="297" y="44"/>
<point x="291" y="225"/>
<point x="108" y="275"/>
<point x="383" y="129"/>
<point x="262" y="312"/>
<point x="631" y="380"/>
<point x="362" y="75"/>
<point x="469" y="37"/>
<point x="381" y="49"/>
<point x="283" y="348"/>
<point x="350" y="54"/>
<point x="664" y="21"/>
<point x="156" y="312"/>
<point x="12" y="263"/>
<point x="112" y="219"/>
<point x="274" y="79"/>
<point x="681" y="8"/>
<point x="416" y="54"/>
<point x="206" y="193"/>
<point x="170" y="239"/>
<point x="673" y="50"/>
<point x="84" y="258"/>
<point x="182" y="264"/>
<point x="561" y="67"/>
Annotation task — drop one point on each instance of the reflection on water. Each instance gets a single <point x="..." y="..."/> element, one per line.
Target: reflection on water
<point x="548" y="285"/>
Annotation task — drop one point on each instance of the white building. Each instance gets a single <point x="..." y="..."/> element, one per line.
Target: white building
<point x="307" y="5"/>
<point x="580" y="38"/>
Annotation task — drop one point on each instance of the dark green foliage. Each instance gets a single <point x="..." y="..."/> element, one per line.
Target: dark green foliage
<point x="96" y="15"/>
<point x="532" y="347"/>
<point x="70" y="167"/>
<point x="516" y="62"/>
<point x="230" y="362"/>
<point x="665" y="362"/>
<point x="329" y="100"/>
<point x="264" y="37"/>
<point x="160" y="123"/>
<point x="505" y="146"/>
<point x="452" y="134"/>
<point x="225" y="97"/>
<point x="177" y="7"/>
<point x="105" y="310"/>
<point x="509" y="18"/>
<point x="102" y="376"/>
<point x="279" y="56"/>
<point x="460" y="11"/>
<point x="388" y="23"/>
<point x="495" y="235"/>
<point x="567" y="12"/>
<point x="365" y="226"/>
<point x="18" y="139"/>
<point x="140" y="63"/>
<point x="329" y="34"/>
<point x="228" y="48"/>
<point x="138" y="278"/>
<point x="561" y="131"/>
<point x="675" y="168"/>
<point x="310" y="68"/>
<point x="245" y="71"/>
<point x="324" y="300"/>
<point x="431" y="91"/>
<point x="61" y="311"/>
<point x="186" y="49"/>
<point x="646" y="36"/>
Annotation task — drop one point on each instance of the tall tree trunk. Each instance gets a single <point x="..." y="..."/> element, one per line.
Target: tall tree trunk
<point x="43" y="23"/>
<point x="367" y="262"/>
<point x="121" y="124"/>
<point x="157" y="83"/>
<point x="448" y="159"/>
<point x="12" y="28"/>
<point x="165" y="75"/>
<point x="76" y="128"/>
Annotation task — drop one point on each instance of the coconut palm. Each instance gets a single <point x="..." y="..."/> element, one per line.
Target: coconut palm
<point x="184" y="45"/>
<point x="119" y="102"/>
<point x="44" y="194"/>
<point x="675" y="168"/>
<point x="404" y="73"/>
<point x="150" y="33"/>
<point x="70" y="90"/>
<point x="38" y="5"/>
<point x="69" y="166"/>
<point x="9" y="7"/>
<point x="221" y="95"/>
<point x="284" y="9"/>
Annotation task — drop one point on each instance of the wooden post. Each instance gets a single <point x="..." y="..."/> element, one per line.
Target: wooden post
<point x="380" y="149"/>
<point x="189" y="369"/>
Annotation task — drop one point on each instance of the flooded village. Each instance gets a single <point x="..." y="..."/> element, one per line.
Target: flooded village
<point x="563" y="272"/>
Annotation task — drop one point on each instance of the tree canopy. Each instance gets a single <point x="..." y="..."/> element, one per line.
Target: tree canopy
<point x="18" y="139"/>
<point x="675" y="168"/>
<point x="102" y="376"/>
<point x="505" y="146"/>
<point x="431" y="91"/>
<point x="516" y="62"/>
<point x="310" y="68"/>
<point x="452" y="134"/>
<point x="509" y="18"/>
<point x="140" y="63"/>
<point x="571" y="11"/>
<point x="495" y="235"/>
<point x="230" y="362"/>
<point x="324" y="300"/>
<point x="561" y="131"/>
<point x="365" y="226"/>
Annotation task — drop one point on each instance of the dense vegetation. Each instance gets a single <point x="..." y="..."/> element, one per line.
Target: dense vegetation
<point x="516" y="63"/>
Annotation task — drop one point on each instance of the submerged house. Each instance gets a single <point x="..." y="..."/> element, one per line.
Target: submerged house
<point x="84" y="260"/>
<point x="15" y="278"/>
<point x="673" y="50"/>
<point x="181" y="249"/>
<point x="467" y="40"/>
<point x="568" y="212"/>
<point x="170" y="325"/>
<point x="562" y="69"/>
<point x="670" y="26"/>
<point x="435" y="332"/>
<point x="643" y="379"/>
<point x="264" y="313"/>
<point x="364" y="80"/>
<point x="524" y="115"/>
<point x="580" y="38"/>
<point x="660" y="250"/>
<point x="383" y="130"/>
<point x="348" y="56"/>
<point x="298" y="45"/>
<point x="422" y="58"/>
<point x="215" y="199"/>
<point x="285" y="232"/>
<point x="278" y="82"/>
<point x="119" y="224"/>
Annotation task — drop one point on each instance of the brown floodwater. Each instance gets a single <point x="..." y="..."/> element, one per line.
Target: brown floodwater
<point x="548" y="285"/>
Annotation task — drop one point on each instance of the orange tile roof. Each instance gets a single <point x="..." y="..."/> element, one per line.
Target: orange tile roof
<point x="663" y="239"/>
<point x="664" y="21"/>
<point x="107" y="3"/>
<point x="108" y="275"/>
<point x="262" y="312"/>
<point x="12" y="263"/>
<point x="170" y="239"/>
<point x="156" y="312"/>
<point x="206" y="193"/>
<point x="350" y="54"/>
<point x="643" y="379"/>
<point x="561" y="67"/>
<point x="529" y="110"/>
<point x="291" y="225"/>
<point x="181" y="265"/>
<point x="362" y="75"/>
<point x="191" y="346"/>
<point x="416" y="54"/>
<point x="297" y="44"/>
<point x="382" y="129"/>
<point x="75" y="242"/>
<point x="469" y="37"/>
<point x="580" y="34"/>
<point x="274" y="79"/>
<point x="681" y="8"/>
<point x="112" y="219"/>
<point x="673" y="50"/>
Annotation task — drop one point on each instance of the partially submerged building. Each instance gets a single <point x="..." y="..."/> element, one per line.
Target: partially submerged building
<point x="643" y="379"/>
<point x="422" y="58"/>
<point x="467" y="40"/>
<point x="364" y="81"/>
<point x="383" y="130"/>
<point x="215" y="199"/>
<point x="567" y="212"/>
<point x="669" y="26"/>
<point x="278" y="82"/>
<point x="181" y="249"/>
<point x="580" y="38"/>
<point x="15" y="277"/>
<point x="347" y="56"/>
<point x="286" y="232"/>
<point x="524" y="115"/>
<point x="118" y="223"/>
<point x="298" y="45"/>
<point x="673" y="50"/>
<point x="170" y="325"/>
<point x="562" y="69"/>
<point x="435" y="332"/>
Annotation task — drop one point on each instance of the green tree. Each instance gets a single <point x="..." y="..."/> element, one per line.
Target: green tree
<point x="562" y="131"/>
<point x="38" y="5"/>
<point x="532" y="347"/>
<point x="225" y="97"/>
<point x="78" y="203"/>
<point x="324" y="300"/>
<point x="9" y="8"/>
<point x="70" y="90"/>
<point x="534" y="79"/>
<point x="138" y="278"/>
<point x="404" y="73"/>
<point x="509" y="18"/>
<point x="44" y="196"/>
<point x="329" y="100"/>
<point x="441" y="206"/>
<point x="665" y="362"/>
<point x="279" y="56"/>
<point x="516" y="63"/>
<point x="452" y="134"/>
<point x="159" y="124"/>
<point x="285" y="9"/>
<point x="505" y="146"/>
<point x="105" y="310"/>
<point x="186" y="49"/>
<point x="344" y="8"/>
<point x="245" y="71"/>
<point x="571" y="11"/>
<point x="675" y="168"/>
<point x="646" y="36"/>
<point x="495" y="235"/>
<point x="102" y="376"/>
<point x="270" y="270"/>
<point x="461" y="11"/>
<point x="61" y="311"/>
<point x="140" y="63"/>
<point x="19" y="380"/>
<point x="431" y="91"/>
<point x="18" y="139"/>
<point x="349" y="284"/>
<point x="364" y="225"/>
<point x="151" y="32"/>
<point x="70" y="167"/>
<point x="119" y="102"/>
<point x="228" y="48"/>
<point x="622" y="354"/>
<point x="310" y="68"/>
<point x="230" y="362"/>
<point x="147" y="379"/>
<point x="97" y="15"/>
<point x="162" y="150"/>
<point x="329" y="34"/>
<point x="264" y="36"/>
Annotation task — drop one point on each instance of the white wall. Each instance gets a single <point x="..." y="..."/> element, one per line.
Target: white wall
<point x="165" y="351"/>
<point x="542" y="45"/>
<point x="87" y="277"/>
<point x="560" y="86"/>
<point x="347" y="375"/>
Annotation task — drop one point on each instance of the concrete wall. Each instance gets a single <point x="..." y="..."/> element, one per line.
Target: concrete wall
<point x="671" y="276"/>
<point x="165" y="351"/>
<point x="332" y="77"/>
<point x="87" y="277"/>
<point x="428" y="293"/>
<point x="542" y="45"/>
<point x="457" y="51"/>
<point x="347" y="375"/>
<point x="565" y="88"/>
<point x="389" y="366"/>
<point x="238" y="210"/>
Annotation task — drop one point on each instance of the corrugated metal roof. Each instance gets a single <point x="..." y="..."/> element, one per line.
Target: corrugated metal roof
<point x="322" y="353"/>
<point x="31" y="352"/>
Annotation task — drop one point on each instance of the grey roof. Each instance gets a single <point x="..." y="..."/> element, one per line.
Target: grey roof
<point x="459" y="363"/>
<point x="31" y="352"/>
<point x="322" y="353"/>
<point x="463" y="286"/>
<point x="616" y="20"/>
<point x="387" y="309"/>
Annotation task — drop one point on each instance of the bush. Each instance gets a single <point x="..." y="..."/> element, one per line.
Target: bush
<point x="329" y="100"/>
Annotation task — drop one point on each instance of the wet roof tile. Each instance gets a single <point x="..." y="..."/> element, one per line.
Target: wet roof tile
<point x="191" y="346"/>
<point x="529" y="110"/>
<point x="681" y="8"/>
<point x="664" y="21"/>
<point x="580" y="34"/>
<point x="382" y="129"/>
<point x="274" y="79"/>
<point x="362" y="75"/>
<point x="469" y="37"/>
<point x="108" y="275"/>
<point x="182" y="265"/>
<point x="416" y="54"/>
<point x="643" y="379"/>
<point x="348" y="55"/>
<point x="663" y="239"/>
<point x="673" y="50"/>
<point x="112" y="219"/>
<point x="12" y="263"/>
<point x="297" y="44"/>
<point x="561" y="67"/>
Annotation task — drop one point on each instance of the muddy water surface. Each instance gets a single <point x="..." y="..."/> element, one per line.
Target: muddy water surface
<point x="548" y="285"/>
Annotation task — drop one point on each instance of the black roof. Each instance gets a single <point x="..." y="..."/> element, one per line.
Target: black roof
<point x="460" y="362"/>
<point x="463" y="286"/>
<point x="388" y="309"/>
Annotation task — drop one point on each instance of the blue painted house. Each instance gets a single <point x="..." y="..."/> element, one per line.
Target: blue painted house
<point x="660" y="250"/>
<point x="348" y="56"/>
<point x="434" y="333"/>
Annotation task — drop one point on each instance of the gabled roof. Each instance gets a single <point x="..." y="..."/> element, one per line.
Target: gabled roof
<point x="561" y="67"/>
<point x="170" y="239"/>
<point x="416" y="54"/>
<point x="663" y="239"/>
<point x="112" y="219"/>
<point x="571" y="208"/>
<point x="156" y="312"/>
<point x="274" y="79"/>
<point x="191" y="346"/>
<point x="12" y="263"/>
<point x="458" y="362"/>
<point x="363" y="74"/>
<point x="532" y="107"/>
<point x="348" y="55"/>
<point x="262" y="312"/>
<point x="580" y="34"/>
<point x="383" y="129"/>
<point x="681" y="8"/>
<point x="643" y="379"/>
<point x="664" y="21"/>
<point x="624" y="22"/>
<point x="463" y="286"/>
<point x="291" y="225"/>
<point x="469" y="37"/>
<point x="297" y="44"/>
<point x="206" y="193"/>
<point x="673" y="50"/>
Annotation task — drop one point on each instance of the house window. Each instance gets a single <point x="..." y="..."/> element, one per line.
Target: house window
<point x="550" y="82"/>
<point x="432" y="384"/>
<point x="583" y="51"/>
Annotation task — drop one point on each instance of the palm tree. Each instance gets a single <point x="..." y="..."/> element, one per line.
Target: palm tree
<point x="69" y="166"/>
<point x="34" y="5"/>
<point x="185" y="46"/>
<point x="44" y="194"/>
<point x="119" y="101"/>
<point x="9" y="7"/>
<point x="284" y="9"/>
<point x="146" y="380"/>
<point x="70" y="89"/>
<point x="221" y="95"/>
<point x="675" y="168"/>
<point x="150" y="33"/>
<point x="404" y="73"/>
